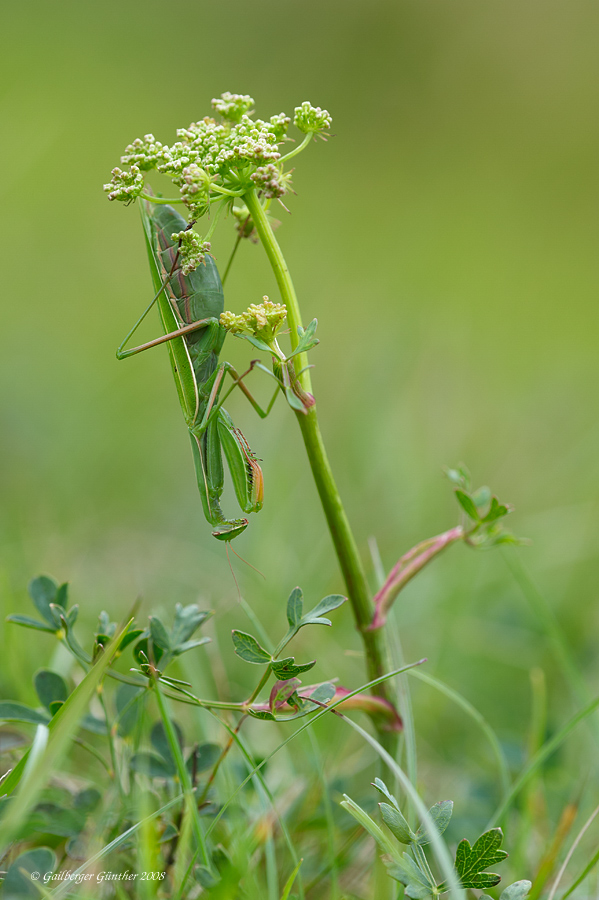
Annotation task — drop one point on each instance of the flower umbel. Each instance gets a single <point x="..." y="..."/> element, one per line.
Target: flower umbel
<point x="125" y="186"/>
<point x="271" y="182"/>
<point x="232" y="106"/>
<point x="192" y="250"/>
<point x="311" y="119"/>
<point x="261" y="320"/>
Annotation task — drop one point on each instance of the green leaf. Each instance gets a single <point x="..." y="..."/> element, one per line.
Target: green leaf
<point x="206" y="756"/>
<point x="161" y="744"/>
<point x="281" y="692"/>
<point x="472" y="861"/>
<point x="316" y="615"/>
<point x="151" y="764"/>
<point x="62" y="595"/>
<point x="306" y="339"/>
<point x="324" y="693"/>
<point x="460" y="476"/>
<point x="105" y="626"/>
<point x="481" y="496"/>
<point x="129" y="638"/>
<point x="10" y="711"/>
<point x="168" y="834"/>
<point x="467" y="505"/>
<point x="396" y="823"/>
<point x="382" y="788"/>
<point x="50" y="687"/>
<point x="261" y="714"/>
<point x="287" y="668"/>
<point x="96" y="726"/>
<point x="142" y="649"/>
<point x="289" y="882"/>
<point x="295" y="605"/>
<point x="159" y="634"/>
<point x="28" y="622"/>
<point x="205" y="877"/>
<point x="497" y="511"/>
<point x="519" y="890"/>
<point x="49" y="818"/>
<point x="256" y="342"/>
<point x="125" y="695"/>
<point x="187" y="620"/>
<point x="441" y="814"/>
<point x="19" y="884"/>
<point x="189" y="645"/>
<point x="87" y="800"/>
<point x="248" y="648"/>
<point x="418" y="885"/>
<point x="43" y="591"/>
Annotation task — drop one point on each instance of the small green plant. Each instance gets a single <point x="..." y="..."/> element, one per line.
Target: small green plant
<point x="412" y="869"/>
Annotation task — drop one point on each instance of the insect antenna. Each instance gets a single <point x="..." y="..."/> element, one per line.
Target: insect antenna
<point x="248" y="564"/>
<point x="231" y="568"/>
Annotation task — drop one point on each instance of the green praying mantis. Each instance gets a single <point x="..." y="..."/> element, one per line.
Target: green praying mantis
<point x="190" y="307"/>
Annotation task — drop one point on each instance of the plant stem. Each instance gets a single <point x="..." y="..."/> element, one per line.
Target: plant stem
<point x="183" y="774"/>
<point x="375" y="644"/>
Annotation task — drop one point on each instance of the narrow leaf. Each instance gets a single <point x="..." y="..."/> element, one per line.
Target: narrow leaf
<point x="467" y="505"/>
<point x="159" y="634"/>
<point x="28" y="622"/>
<point x="11" y="711"/>
<point x="295" y="605"/>
<point x="316" y="615"/>
<point x="382" y="788"/>
<point x="396" y="823"/>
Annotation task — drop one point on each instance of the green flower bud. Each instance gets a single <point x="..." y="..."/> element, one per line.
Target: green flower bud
<point x="232" y="106"/>
<point x="125" y="186"/>
<point x="311" y="119"/>
<point x="270" y="182"/>
<point x="279" y="125"/>
<point x="145" y="154"/>
<point x="192" y="250"/>
<point x="261" y="320"/>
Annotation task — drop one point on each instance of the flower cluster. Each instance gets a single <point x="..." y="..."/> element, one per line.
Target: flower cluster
<point x="237" y="153"/>
<point x="146" y="153"/>
<point x="232" y="106"/>
<point x="125" y="185"/>
<point x="261" y="320"/>
<point x="271" y="182"/>
<point x="192" y="250"/>
<point x="195" y="189"/>
<point x="311" y="119"/>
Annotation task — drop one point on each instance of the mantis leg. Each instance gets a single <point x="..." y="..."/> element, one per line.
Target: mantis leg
<point x="215" y="402"/>
<point x="208" y="461"/>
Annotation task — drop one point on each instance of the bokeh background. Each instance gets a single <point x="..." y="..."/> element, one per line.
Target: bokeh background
<point x="445" y="238"/>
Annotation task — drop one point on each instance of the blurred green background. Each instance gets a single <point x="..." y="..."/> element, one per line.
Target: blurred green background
<point x="446" y="240"/>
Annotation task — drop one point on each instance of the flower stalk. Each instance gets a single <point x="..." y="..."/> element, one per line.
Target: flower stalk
<point x="375" y="642"/>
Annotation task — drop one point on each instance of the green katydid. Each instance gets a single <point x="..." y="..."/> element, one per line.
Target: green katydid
<point x="190" y="307"/>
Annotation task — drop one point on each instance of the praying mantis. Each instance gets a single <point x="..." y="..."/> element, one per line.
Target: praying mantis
<point x="190" y="307"/>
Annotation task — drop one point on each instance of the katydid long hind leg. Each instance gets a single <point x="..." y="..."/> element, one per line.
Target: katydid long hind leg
<point x="185" y="329"/>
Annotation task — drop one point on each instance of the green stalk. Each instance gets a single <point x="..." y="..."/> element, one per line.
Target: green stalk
<point x="375" y="644"/>
<point x="184" y="779"/>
